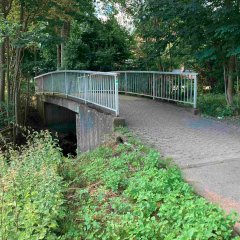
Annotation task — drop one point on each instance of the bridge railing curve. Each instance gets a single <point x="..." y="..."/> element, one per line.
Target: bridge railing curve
<point x="97" y="88"/>
<point x="178" y="87"/>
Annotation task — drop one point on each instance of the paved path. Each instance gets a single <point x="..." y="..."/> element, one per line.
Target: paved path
<point x="208" y="151"/>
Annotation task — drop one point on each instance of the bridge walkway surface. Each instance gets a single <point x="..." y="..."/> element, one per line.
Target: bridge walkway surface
<point x="207" y="151"/>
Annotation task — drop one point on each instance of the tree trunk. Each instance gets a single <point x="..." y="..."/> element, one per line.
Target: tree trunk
<point x="16" y="82"/>
<point x="2" y="71"/>
<point x="62" y="46"/>
<point x="230" y="80"/>
<point x="58" y="57"/>
<point x="27" y="101"/>
<point x="64" y="35"/>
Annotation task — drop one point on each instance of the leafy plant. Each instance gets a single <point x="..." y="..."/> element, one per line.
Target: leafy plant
<point x="215" y="105"/>
<point x="128" y="191"/>
<point x="31" y="190"/>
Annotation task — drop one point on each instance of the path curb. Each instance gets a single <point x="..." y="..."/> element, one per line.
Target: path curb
<point x="197" y="190"/>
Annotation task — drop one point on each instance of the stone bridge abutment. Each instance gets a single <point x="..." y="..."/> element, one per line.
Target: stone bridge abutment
<point x="91" y="124"/>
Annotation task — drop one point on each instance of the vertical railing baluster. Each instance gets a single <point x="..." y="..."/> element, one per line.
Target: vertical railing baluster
<point x="83" y="89"/>
<point x="175" y="88"/>
<point x="104" y="92"/>
<point x="108" y="90"/>
<point x="101" y="91"/>
<point x="116" y="96"/>
<point x="178" y="87"/>
<point x="135" y="85"/>
<point x="52" y="81"/>
<point x="78" y="84"/>
<point x="90" y="88"/>
<point x="86" y="87"/>
<point x="111" y="92"/>
<point x="125" y="83"/>
<point x="165" y="93"/>
<point x="181" y="88"/>
<point x="169" y="87"/>
<point x="132" y="84"/>
<point x="154" y="86"/>
<point x="161" y="86"/>
<point x="195" y="92"/>
<point x="191" y="90"/>
<point x="184" y="89"/>
<point x="65" y="79"/>
<point x="94" y="88"/>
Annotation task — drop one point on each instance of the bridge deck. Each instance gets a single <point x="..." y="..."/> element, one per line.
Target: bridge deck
<point x="208" y="151"/>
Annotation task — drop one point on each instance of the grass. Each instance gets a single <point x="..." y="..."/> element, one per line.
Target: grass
<point x="215" y="105"/>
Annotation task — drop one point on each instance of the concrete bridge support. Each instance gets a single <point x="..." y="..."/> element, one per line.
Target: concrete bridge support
<point x="92" y="125"/>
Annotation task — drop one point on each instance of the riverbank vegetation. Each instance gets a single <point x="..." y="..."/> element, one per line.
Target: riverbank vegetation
<point x="119" y="191"/>
<point x="31" y="190"/>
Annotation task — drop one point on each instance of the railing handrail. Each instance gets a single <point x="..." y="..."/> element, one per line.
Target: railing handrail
<point x="97" y="88"/>
<point x="172" y="86"/>
<point x="159" y="72"/>
<point x="77" y="71"/>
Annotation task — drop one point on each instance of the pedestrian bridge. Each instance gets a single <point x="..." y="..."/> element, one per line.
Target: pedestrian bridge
<point x="93" y="97"/>
<point x="207" y="150"/>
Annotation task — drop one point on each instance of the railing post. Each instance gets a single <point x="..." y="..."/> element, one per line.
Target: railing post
<point x="195" y="92"/>
<point x="42" y="86"/>
<point x="125" y="83"/>
<point x="154" y="86"/>
<point x="78" y="84"/>
<point x="85" y="88"/>
<point x="52" y="82"/>
<point x="65" y="78"/>
<point x="116" y="96"/>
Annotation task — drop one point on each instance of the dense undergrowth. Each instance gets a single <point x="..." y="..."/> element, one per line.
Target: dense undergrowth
<point x="119" y="191"/>
<point x="31" y="190"/>
<point x="128" y="191"/>
<point x="215" y="105"/>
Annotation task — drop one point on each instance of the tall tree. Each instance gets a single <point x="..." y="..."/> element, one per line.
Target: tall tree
<point x="5" y="8"/>
<point x="200" y="33"/>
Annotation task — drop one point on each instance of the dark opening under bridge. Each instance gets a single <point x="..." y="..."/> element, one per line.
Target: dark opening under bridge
<point x="93" y="97"/>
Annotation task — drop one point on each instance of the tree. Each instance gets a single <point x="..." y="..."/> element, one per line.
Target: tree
<point x="5" y="8"/>
<point x="198" y="33"/>
<point x="97" y="45"/>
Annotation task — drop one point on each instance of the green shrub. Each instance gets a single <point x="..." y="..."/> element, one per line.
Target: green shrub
<point x="215" y="105"/>
<point x="129" y="192"/>
<point x="31" y="190"/>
